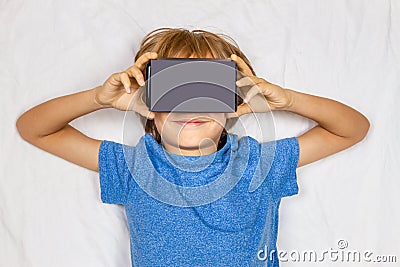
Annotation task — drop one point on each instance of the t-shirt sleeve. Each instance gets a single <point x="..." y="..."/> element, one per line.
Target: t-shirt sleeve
<point x="282" y="176"/>
<point x="113" y="172"/>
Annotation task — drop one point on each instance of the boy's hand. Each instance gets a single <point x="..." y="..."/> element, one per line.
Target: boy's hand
<point x="273" y="96"/>
<point x="123" y="90"/>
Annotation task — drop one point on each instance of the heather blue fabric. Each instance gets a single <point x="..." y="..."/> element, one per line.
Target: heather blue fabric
<point x="229" y="231"/>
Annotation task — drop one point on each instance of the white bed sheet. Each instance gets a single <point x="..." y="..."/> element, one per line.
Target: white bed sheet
<point x="348" y="50"/>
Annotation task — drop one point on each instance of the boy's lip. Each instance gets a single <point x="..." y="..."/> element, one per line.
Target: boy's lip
<point x="192" y="122"/>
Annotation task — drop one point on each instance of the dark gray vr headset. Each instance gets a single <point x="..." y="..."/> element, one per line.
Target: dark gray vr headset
<point x="191" y="85"/>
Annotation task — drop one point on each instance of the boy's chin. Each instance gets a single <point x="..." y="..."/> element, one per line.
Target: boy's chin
<point x="194" y="142"/>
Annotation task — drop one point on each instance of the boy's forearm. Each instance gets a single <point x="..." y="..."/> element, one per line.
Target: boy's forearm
<point x="332" y="115"/>
<point x="53" y="115"/>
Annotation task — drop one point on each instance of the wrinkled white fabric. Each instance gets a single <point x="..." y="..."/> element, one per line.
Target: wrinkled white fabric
<point x="51" y="213"/>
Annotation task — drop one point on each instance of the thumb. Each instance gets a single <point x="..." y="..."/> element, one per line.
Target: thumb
<point x="251" y="93"/>
<point x="241" y="109"/>
<point x="138" y="105"/>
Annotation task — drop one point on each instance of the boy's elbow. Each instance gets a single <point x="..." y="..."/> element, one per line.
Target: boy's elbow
<point x="363" y="129"/>
<point x="366" y="126"/>
<point x="22" y="128"/>
<point x="19" y="127"/>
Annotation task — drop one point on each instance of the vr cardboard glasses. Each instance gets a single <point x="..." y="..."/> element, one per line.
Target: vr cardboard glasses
<point x="191" y="85"/>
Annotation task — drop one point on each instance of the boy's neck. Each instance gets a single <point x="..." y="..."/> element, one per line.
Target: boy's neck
<point x="183" y="151"/>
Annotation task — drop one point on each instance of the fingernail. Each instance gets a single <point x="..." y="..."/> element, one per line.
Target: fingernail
<point x="141" y="82"/>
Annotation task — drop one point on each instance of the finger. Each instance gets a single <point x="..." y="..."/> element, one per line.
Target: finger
<point x="137" y="74"/>
<point x="124" y="77"/>
<point x="248" y="80"/>
<point x="251" y="93"/>
<point x="242" y="66"/>
<point x="143" y="59"/>
<point x="139" y="106"/>
<point x="245" y="81"/>
<point x="117" y="79"/>
<point x="230" y="115"/>
<point x="243" y="108"/>
<point x="246" y="108"/>
<point x="143" y="110"/>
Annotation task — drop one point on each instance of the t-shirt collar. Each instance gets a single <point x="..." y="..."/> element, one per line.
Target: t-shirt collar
<point x="189" y="163"/>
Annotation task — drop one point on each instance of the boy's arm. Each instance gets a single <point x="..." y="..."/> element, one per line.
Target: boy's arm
<point x="339" y="126"/>
<point x="46" y="127"/>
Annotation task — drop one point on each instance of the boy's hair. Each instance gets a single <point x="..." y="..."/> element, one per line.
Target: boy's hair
<point x="171" y="42"/>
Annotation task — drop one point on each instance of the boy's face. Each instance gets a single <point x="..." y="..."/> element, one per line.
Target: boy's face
<point x="179" y="136"/>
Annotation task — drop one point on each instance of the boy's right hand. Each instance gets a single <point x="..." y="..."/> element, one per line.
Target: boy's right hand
<point x="123" y="90"/>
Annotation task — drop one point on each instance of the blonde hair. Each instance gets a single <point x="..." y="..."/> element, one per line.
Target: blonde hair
<point x="171" y="42"/>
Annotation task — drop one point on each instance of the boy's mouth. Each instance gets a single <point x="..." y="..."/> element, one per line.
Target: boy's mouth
<point x="192" y="122"/>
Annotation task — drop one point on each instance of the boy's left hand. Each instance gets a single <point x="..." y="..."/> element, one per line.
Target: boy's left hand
<point x="276" y="97"/>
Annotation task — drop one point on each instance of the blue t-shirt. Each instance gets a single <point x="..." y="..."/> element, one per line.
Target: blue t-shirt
<point x="219" y="209"/>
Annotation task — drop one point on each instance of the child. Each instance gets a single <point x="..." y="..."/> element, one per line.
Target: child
<point x="188" y="186"/>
